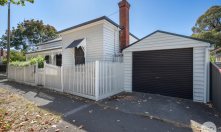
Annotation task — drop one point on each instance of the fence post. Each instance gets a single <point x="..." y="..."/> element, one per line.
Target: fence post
<point x="62" y="84"/>
<point x="44" y="73"/>
<point x="97" y="80"/>
<point x="36" y="74"/>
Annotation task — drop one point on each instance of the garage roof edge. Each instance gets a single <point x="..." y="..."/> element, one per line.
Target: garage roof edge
<point x="160" y="31"/>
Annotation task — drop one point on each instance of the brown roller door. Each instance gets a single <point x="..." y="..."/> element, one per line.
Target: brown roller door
<point x="164" y="72"/>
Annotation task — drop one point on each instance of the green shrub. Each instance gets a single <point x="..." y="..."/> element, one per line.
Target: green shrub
<point x="40" y="60"/>
<point x="20" y="63"/>
<point x="212" y="58"/>
<point x="35" y="60"/>
<point x="15" y="56"/>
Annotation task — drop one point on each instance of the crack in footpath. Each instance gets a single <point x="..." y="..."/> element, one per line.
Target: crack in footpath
<point x="177" y="124"/>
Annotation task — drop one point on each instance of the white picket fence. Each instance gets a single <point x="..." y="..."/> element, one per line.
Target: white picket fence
<point x="93" y="80"/>
<point x="22" y="74"/>
<point x="80" y="80"/>
<point x="111" y="79"/>
<point x="53" y="76"/>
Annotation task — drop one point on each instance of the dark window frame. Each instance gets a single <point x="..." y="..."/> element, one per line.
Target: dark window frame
<point x="79" y="56"/>
<point x="58" y="60"/>
<point x="47" y="59"/>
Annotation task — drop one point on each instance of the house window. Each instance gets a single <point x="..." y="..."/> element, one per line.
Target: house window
<point x="58" y="60"/>
<point x="47" y="59"/>
<point x="79" y="56"/>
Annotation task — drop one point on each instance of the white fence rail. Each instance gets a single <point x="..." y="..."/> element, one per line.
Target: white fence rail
<point x="93" y="80"/>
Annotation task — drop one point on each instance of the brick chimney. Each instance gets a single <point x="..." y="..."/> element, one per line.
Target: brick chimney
<point x="124" y="23"/>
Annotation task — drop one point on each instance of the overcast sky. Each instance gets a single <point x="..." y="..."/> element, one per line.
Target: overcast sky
<point x="146" y="16"/>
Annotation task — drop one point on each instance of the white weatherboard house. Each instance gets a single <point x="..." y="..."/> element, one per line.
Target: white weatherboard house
<point x="97" y="39"/>
<point x="90" y="58"/>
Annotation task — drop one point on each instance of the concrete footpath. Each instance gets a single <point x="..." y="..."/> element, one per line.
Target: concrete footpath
<point x="118" y="113"/>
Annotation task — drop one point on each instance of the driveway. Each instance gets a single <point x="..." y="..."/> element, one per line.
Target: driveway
<point x="181" y="112"/>
<point x="126" y="112"/>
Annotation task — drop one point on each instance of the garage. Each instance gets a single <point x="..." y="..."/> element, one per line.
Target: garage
<point x="168" y="64"/>
<point x="164" y="72"/>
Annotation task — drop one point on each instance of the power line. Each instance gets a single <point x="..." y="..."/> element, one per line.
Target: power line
<point x="113" y="13"/>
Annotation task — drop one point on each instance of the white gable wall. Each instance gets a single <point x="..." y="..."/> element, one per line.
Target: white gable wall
<point x="102" y="41"/>
<point x="94" y="44"/>
<point x="160" y="41"/>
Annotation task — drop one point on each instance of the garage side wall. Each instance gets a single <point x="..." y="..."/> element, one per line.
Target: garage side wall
<point x="200" y="74"/>
<point x="128" y="61"/>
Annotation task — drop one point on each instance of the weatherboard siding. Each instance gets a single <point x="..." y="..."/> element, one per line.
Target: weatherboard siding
<point x="102" y="43"/>
<point x="128" y="60"/>
<point x="160" y="41"/>
<point x="199" y="82"/>
<point x="110" y="41"/>
<point x="94" y="44"/>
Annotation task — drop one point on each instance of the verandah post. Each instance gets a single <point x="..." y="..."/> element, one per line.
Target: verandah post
<point x="97" y="78"/>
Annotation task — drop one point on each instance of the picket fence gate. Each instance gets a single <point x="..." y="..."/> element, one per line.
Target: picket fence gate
<point x="92" y="80"/>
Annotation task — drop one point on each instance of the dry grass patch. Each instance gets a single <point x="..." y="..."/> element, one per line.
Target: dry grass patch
<point x="19" y="114"/>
